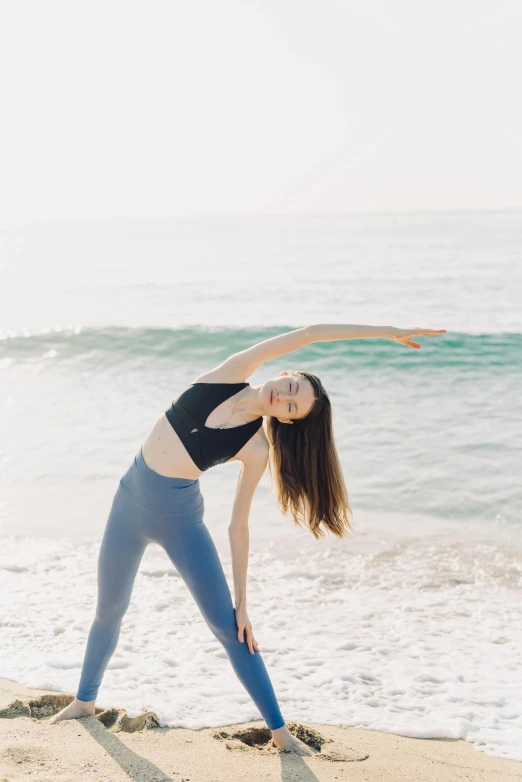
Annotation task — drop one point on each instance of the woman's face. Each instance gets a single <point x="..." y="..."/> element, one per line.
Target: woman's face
<point x="288" y="397"/>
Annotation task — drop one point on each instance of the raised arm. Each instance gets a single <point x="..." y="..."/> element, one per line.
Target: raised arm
<point x="325" y="332"/>
<point x="245" y="362"/>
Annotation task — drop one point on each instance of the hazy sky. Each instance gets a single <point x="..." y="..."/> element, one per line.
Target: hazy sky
<point x="153" y="108"/>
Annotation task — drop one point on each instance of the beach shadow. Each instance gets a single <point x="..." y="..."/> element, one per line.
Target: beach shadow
<point x="135" y="766"/>
<point x="100" y="727"/>
<point x="104" y="726"/>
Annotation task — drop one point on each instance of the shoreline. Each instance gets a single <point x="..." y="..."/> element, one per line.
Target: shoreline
<point x="115" y="748"/>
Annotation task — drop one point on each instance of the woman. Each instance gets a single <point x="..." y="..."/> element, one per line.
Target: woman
<point x="218" y="418"/>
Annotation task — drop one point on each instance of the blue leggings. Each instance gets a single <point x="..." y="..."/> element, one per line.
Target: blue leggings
<point x="149" y="507"/>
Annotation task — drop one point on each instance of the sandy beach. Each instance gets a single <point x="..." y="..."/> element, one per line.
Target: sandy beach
<point x="111" y="747"/>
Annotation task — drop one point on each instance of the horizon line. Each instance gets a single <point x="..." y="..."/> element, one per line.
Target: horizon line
<point x="233" y="215"/>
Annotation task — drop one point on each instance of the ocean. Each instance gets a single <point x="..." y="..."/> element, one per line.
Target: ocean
<point x="413" y="625"/>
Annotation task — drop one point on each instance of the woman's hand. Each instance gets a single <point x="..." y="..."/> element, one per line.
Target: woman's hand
<point x="403" y="336"/>
<point x="244" y="627"/>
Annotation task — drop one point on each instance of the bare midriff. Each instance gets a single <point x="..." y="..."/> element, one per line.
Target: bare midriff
<point x="164" y="452"/>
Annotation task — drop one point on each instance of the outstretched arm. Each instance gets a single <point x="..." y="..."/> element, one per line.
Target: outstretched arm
<point x="325" y="332"/>
<point x="247" y="361"/>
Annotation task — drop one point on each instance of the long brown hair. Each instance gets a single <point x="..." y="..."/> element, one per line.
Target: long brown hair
<point x="305" y="467"/>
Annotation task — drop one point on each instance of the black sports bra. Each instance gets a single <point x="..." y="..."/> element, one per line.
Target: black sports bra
<point x="205" y="445"/>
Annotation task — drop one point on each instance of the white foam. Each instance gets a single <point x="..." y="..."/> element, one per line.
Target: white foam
<point x="415" y="638"/>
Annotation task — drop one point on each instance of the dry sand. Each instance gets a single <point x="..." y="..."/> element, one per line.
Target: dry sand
<point x="111" y="747"/>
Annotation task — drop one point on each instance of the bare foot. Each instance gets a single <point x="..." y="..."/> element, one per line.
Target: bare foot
<point x="283" y="739"/>
<point x="74" y="710"/>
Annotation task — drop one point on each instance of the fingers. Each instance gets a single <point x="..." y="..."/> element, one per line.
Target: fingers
<point x="250" y="638"/>
<point x="251" y="641"/>
<point x="406" y="341"/>
<point x="418" y="332"/>
<point x="426" y="333"/>
<point x="255" y="645"/>
<point x="245" y="630"/>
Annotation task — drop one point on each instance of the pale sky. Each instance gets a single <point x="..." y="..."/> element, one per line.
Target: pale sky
<point x="156" y="108"/>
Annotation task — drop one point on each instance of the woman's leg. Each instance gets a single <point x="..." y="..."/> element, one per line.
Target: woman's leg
<point x="121" y="551"/>
<point x="193" y="553"/>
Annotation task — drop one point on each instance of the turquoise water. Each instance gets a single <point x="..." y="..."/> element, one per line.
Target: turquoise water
<point x="102" y="325"/>
<point x="434" y="432"/>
